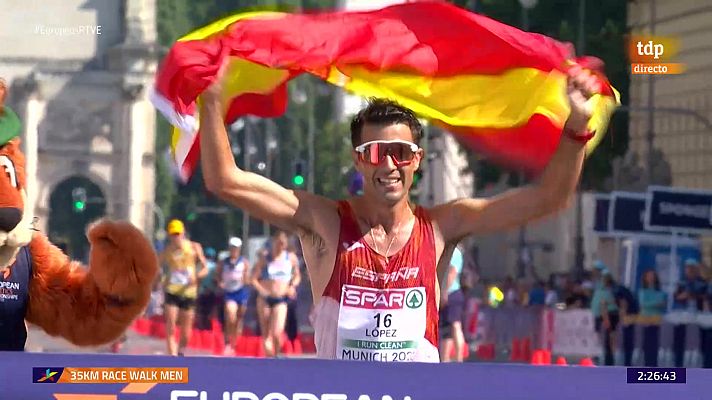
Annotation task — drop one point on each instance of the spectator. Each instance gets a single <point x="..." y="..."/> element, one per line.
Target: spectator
<point x="451" y="335"/>
<point x="479" y="289"/>
<point x="652" y="306"/>
<point x="510" y="292"/>
<point x="605" y="311"/>
<point x="523" y="292"/>
<point x="453" y="275"/>
<point x="628" y="306"/>
<point x="207" y="293"/>
<point x="537" y="295"/>
<point x="589" y="281"/>
<point x="706" y="331"/>
<point x="552" y="297"/>
<point x="688" y="296"/>
<point x="455" y="318"/>
<point x="291" y="326"/>
<point x="576" y="296"/>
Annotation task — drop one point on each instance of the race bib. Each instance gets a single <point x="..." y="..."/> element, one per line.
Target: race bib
<point x="180" y="277"/>
<point x="279" y="270"/>
<point x="381" y="324"/>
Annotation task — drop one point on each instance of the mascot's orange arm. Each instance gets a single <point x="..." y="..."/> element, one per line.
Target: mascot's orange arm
<point x="94" y="306"/>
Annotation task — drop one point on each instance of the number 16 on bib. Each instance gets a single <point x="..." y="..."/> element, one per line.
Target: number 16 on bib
<point x="381" y="324"/>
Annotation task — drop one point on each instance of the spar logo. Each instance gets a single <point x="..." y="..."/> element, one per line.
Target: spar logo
<point x="414" y="299"/>
<point x="360" y="297"/>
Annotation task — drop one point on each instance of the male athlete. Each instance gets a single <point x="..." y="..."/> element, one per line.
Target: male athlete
<point x="372" y="258"/>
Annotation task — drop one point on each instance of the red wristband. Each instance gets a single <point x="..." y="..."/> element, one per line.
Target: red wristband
<point x="582" y="138"/>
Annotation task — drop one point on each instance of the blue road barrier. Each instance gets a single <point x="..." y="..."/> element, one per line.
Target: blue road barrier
<point x="308" y="379"/>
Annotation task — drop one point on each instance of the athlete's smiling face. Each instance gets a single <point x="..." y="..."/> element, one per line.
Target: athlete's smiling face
<point x="387" y="157"/>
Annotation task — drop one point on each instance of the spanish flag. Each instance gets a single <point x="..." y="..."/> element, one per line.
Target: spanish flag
<point x="500" y="90"/>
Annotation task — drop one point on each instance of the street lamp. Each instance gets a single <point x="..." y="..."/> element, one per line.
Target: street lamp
<point x="651" y="101"/>
<point x="579" y="257"/>
<point x="526" y="6"/>
<point x="523" y="254"/>
<point x="271" y="148"/>
<point x="246" y="124"/>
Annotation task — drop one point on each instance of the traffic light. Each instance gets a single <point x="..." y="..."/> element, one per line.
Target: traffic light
<point x="356" y="184"/>
<point x="298" y="176"/>
<point x="79" y="199"/>
<point x="415" y="188"/>
<point x="417" y="176"/>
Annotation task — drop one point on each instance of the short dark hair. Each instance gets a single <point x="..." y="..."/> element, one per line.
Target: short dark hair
<point x="656" y="282"/>
<point x="467" y="279"/>
<point x="278" y="231"/>
<point x="384" y="112"/>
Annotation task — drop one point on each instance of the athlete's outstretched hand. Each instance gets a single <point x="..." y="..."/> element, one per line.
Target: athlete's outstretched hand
<point x="581" y="86"/>
<point x="214" y="92"/>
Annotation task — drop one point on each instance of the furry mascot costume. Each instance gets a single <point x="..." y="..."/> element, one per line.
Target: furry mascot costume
<point x="39" y="284"/>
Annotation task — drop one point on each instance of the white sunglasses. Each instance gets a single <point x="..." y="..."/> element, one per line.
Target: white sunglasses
<point x="401" y="152"/>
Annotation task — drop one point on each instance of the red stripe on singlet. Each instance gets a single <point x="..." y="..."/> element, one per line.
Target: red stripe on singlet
<point x="357" y="264"/>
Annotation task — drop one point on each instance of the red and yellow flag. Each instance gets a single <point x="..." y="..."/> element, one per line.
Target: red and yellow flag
<point x="499" y="89"/>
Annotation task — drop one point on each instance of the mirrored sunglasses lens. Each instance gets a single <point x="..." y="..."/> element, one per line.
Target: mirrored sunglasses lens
<point x="400" y="151"/>
<point x="375" y="153"/>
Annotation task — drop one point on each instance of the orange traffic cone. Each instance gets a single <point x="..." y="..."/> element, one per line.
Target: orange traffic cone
<point x="297" y="344"/>
<point x="516" y="351"/>
<point x="194" y="340"/>
<point x="207" y="340"/>
<point x="286" y="345"/>
<point x="526" y="349"/>
<point x="161" y="330"/>
<point x="215" y="325"/>
<point x="481" y="352"/>
<point x="218" y="343"/>
<point x="561" y="361"/>
<point x="541" y="357"/>
<point x="538" y="357"/>
<point x="587" y="362"/>
<point x="142" y="326"/>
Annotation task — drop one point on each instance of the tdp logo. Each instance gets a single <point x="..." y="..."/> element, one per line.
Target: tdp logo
<point x="653" y="55"/>
<point x="46" y="374"/>
<point x="650" y="49"/>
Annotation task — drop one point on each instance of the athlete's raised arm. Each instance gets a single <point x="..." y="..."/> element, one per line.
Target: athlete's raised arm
<point x="552" y="191"/>
<point x="260" y="197"/>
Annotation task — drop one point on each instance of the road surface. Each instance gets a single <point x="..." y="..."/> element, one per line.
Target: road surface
<point x="40" y="342"/>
